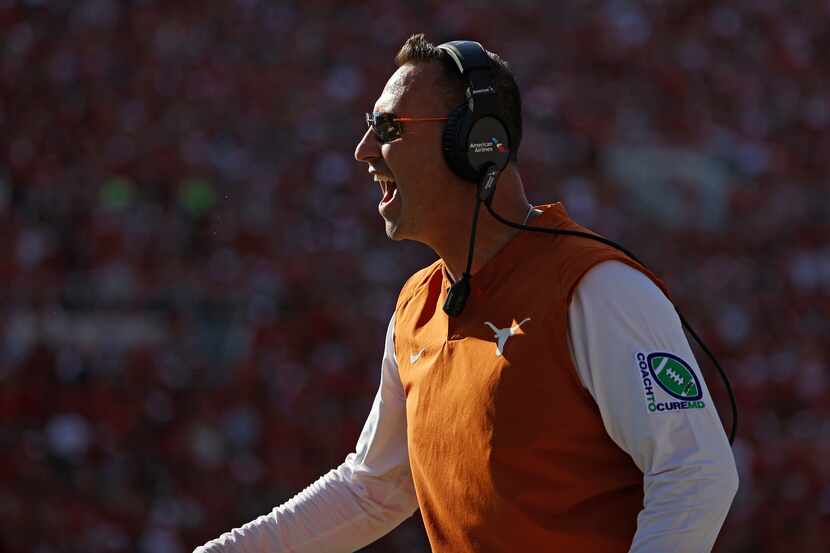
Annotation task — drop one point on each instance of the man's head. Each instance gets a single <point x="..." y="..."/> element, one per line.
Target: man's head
<point x="418" y="50"/>
<point x="421" y="195"/>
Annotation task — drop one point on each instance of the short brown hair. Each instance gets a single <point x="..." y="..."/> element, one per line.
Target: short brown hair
<point x="417" y="49"/>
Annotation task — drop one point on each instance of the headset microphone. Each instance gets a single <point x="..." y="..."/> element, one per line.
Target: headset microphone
<point x="460" y="291"/>
<point x="475" y="142"/>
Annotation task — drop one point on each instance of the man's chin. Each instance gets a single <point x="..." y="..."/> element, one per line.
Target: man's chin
<point x="393" y="231"/>
<point x="398" y="231"/>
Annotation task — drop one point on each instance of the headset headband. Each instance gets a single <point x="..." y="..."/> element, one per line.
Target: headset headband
<point x="476" y="67"/>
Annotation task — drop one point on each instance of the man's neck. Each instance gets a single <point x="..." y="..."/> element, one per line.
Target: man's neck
<point x="452" y="240"/>
<point x="491" y="237"/>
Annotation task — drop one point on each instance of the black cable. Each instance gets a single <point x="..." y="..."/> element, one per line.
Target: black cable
<point x="613" y="244"/>
<point x="472" y="239"/>
<point x="460" y="291"/>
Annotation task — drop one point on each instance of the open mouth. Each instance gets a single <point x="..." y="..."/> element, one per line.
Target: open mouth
<point x="387" y="187"/>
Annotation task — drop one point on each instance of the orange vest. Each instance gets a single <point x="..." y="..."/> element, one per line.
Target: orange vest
<point x="507" y="449"/>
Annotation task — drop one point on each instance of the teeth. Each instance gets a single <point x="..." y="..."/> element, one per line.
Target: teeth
<point x="384" y="182"/>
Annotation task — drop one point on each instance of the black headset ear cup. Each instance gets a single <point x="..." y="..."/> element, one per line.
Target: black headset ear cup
<point x="471" y="143"/>
<point x="454" y="143"/>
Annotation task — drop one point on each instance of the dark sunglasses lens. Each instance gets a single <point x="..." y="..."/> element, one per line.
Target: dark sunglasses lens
<point x="384" y="126"/>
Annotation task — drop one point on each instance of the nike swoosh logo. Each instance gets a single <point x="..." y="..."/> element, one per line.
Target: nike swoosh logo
<point x="413" y="358"/>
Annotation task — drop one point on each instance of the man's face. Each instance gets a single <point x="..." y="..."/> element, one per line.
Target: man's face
<point x="410" y="170"/>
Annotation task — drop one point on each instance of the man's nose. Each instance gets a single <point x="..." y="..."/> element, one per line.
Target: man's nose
<point x="368" y="147"/>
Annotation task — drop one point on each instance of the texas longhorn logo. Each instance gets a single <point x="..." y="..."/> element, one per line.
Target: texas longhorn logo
<point x="502" y="334"/>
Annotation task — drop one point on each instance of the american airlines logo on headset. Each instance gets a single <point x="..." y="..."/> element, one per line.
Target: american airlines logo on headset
<point x="487" y="147"/>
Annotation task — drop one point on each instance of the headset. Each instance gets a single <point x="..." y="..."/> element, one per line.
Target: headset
<point x="477" y="146"/>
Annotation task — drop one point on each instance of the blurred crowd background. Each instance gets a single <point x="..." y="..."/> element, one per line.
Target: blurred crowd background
<point x="195" y="282"/>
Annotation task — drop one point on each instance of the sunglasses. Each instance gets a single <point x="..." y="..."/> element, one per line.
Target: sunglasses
<point x="388" y="127"/>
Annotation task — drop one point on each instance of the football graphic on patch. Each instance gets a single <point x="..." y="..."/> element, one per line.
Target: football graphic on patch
<point x="674" y="376"/>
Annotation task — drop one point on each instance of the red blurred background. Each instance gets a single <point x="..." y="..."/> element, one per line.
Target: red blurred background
<point x="196" y="283"/>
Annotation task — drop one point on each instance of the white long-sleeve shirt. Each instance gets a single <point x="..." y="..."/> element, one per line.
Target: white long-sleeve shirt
<point x="689" y="474"/>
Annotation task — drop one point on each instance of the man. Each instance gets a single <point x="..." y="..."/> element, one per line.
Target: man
<point x="562" y="410"/>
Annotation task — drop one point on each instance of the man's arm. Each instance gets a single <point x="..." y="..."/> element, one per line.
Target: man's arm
<point x="363" y="499"/>
<point x="689" y="473"/>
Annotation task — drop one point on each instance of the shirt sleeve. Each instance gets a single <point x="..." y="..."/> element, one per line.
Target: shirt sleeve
<point x="364" y="498"/>
<point x="620" y="325"/>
